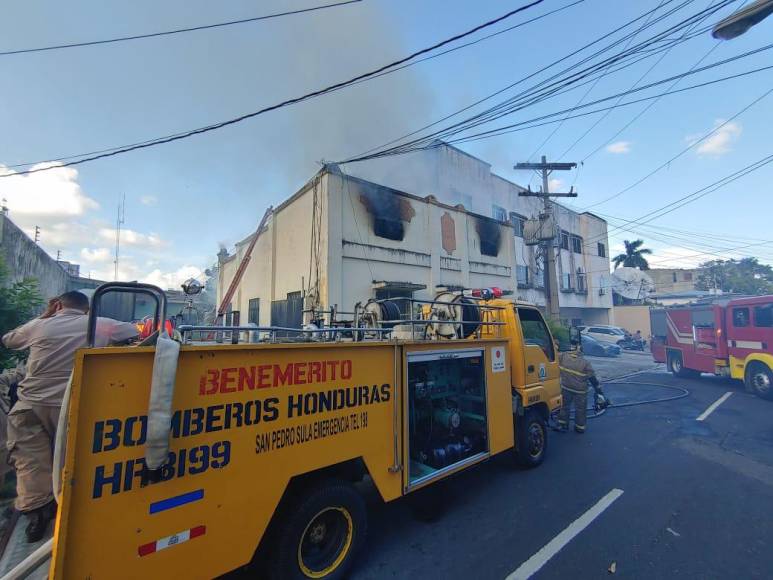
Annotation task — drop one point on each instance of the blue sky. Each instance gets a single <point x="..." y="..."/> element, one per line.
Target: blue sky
<point x="186" y="198"/>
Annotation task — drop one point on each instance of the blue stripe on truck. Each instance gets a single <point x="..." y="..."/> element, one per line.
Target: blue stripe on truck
<point x="176" y="501"/>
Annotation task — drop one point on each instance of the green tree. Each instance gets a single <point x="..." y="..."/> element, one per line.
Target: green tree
<point x="19" y="302"/>
<point x="745" y="276"/>
<point x="633" y="256"/>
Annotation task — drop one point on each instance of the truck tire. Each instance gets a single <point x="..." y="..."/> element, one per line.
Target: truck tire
<point x="531" y="438"/>
<point x="676" y="366"/>
<point x="759" y="380"/>
<point x="320" y="533"/>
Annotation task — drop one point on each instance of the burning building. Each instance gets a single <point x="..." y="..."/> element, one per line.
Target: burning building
<point x="343" y="238"/>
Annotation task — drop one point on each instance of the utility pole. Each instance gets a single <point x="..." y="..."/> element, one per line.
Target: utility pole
<point x="551" y="281"/>
<point x="118" y="223"/>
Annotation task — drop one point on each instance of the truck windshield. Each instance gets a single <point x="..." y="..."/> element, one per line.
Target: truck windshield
<point x="535" y="331"/>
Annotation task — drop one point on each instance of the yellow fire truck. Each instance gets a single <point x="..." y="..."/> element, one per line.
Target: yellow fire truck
<point x="187" y="458"/>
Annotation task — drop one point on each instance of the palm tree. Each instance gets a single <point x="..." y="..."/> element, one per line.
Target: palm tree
<point x="633" y="256"/>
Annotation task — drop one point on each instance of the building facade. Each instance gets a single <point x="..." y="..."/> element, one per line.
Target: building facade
<point x="671" y="280"/>
<point x="343" y="239"/>
<point x="456" y="177"/>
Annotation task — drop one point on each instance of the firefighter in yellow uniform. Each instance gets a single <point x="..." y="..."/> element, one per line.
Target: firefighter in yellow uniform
<point x="576" y="372"/>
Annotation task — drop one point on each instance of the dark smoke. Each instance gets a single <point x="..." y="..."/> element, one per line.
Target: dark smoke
<point x="490" y="236"/>
<point x="385" y="210"/>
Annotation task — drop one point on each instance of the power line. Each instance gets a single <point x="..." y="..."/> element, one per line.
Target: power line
<point x="707" y="253"/>
<point x="387" y="72"/>
<point x="175" y="31"/>
<point x="533" y="122"/>
<point x="593" y="86"/>
<point x="644" y="110"/>
<point x="690" y="243"/>
<point x="470" y="123"/>
<point x="689" y="198"/>
<point x="317" y="93"/>
<point x="523" y="79"/>
<point x="516" y="103"/>
<point x="691" y="233"/>
<point x="634" y="85"/>
<point x="682" y="152"/>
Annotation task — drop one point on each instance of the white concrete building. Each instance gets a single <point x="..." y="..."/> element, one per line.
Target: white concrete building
<point x="439" y="219"/>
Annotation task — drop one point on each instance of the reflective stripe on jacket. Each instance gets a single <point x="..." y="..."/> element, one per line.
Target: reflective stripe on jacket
<point x="575" y="372"/>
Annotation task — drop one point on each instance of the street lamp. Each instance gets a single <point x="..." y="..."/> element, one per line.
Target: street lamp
<point x="742" y="20"/>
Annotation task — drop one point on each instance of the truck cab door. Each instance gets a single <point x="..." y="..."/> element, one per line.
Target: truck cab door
<point x="539" y="353"/>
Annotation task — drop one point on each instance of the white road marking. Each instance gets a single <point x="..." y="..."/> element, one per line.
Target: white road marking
<point x="673" y="532"/>
<point x="714" y="405"/>
<point x="538" y="560"/>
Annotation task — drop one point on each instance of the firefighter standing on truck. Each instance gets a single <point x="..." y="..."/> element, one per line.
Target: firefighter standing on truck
<point x="52" y="338"/>
<point x="576" y="372"/>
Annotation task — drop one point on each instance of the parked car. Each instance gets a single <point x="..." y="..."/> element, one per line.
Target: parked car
<point x="594" y="347"/>
<point x="604" y="333"/>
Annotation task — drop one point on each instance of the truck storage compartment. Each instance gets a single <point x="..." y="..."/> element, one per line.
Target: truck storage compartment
<point x="448" y="416"/>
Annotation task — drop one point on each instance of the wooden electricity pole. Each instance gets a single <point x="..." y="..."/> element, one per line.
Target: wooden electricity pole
<point x="551" y="282"/>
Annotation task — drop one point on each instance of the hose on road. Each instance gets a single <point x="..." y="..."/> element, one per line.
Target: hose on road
<point x="681" y="393"/>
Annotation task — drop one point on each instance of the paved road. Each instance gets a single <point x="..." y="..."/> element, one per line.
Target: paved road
<point x="628" y="362"/>
<point x="697" y="499"/>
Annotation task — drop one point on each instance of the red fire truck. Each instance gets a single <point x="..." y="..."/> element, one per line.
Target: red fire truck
<point x="731" y="337"/>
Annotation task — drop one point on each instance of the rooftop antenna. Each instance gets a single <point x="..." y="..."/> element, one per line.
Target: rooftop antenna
<point x="118" y="223"/>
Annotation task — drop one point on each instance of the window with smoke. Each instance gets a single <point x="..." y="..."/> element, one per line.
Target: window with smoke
<point x="490" y="236"/>
<point x="386" y="213"/>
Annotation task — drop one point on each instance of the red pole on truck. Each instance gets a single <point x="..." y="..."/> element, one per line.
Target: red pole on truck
<point x="242" y="268"/>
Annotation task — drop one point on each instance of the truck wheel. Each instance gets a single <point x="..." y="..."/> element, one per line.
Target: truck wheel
<point x="320" y="533"/>
<point x="759" y="380"/>
<point x="531" y="439"/>
<point x="676" y="366"/>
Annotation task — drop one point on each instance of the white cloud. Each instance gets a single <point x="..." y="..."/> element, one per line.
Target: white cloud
<point x="44" y="197"/>
<point x="55" y="201"/>
<point x="132" y="238"/>
<point x="619" y="147"/>
<point x="719" y="142"/>
<point x="96" y="255"/>
<point x="555" y="184"/>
